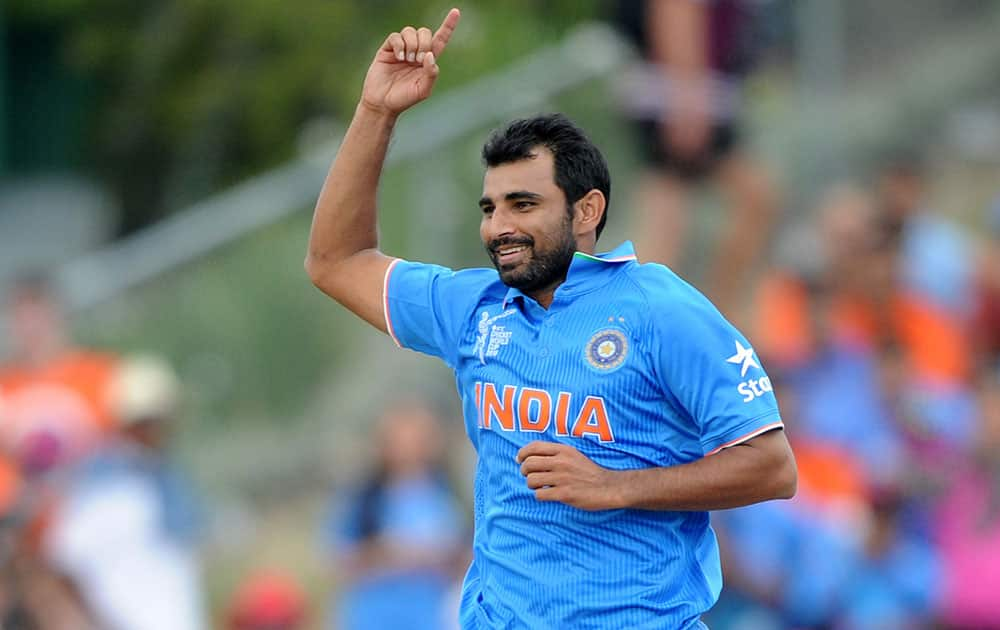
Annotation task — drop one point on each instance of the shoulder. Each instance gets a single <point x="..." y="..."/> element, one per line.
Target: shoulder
<point x="677" y="318"/>
<point x="452" y="291"/>
<point x="478" y="280"/>
<point x="667" y="294"/>
<point x="481" y="280"/>
<point x="473" y="289"/>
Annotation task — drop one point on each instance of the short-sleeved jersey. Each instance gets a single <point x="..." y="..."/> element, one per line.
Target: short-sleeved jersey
<point x="631" y="366"/>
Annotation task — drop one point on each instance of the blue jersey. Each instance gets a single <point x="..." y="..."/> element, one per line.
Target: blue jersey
<point x="630" y="365"/>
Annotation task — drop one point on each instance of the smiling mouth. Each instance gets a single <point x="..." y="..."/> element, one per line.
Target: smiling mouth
<point x="510" y="254"/>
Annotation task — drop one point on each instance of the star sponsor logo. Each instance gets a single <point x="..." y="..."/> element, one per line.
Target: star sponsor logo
<point x="753" y="388"/>
<point x="743" y="358"/>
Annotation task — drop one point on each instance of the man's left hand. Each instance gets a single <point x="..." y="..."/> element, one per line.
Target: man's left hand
<point x="559" y="472"/>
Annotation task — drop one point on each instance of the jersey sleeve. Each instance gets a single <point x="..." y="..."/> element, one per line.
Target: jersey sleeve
<point x="427" y="306"/>
<point x="713" y="372"/>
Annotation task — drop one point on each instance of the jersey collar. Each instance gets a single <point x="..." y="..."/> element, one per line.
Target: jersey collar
<point x="586" y="271"/>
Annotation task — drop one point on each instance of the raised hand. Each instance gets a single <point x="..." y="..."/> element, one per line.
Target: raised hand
<point x="405" y="67"/>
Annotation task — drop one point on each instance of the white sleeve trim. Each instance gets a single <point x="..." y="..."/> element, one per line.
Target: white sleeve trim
<point x="748" y="436"/>
<point x="385" y="303"/>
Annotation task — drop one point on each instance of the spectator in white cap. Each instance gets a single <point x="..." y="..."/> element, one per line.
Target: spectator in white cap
<point x="125" y="536"/>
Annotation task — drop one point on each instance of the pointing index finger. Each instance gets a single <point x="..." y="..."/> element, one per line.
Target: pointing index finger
<point x="444" y="32"/>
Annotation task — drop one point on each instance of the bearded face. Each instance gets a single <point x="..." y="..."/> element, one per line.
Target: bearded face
<point x="528" y="224"/>
<point x="532" y="263"/>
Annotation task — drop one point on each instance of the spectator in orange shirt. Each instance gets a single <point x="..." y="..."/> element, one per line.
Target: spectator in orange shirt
<point x="835" y="330"/>
<point x="856" y="298"/>
<point x="54" y="393"/>
<point x="935" y="255"/>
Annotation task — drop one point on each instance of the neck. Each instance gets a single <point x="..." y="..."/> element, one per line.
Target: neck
<point x="545" y="295"/>
<point x="586" y="243"/>
<point x="544" y="298"/>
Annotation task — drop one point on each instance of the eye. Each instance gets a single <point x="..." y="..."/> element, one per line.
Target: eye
<point x="522" y="205"/>
<point x="486" y="209"/>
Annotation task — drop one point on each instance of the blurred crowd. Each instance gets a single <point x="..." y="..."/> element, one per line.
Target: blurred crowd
<point x="100" y="529"/>
<point x="879" y="324"/>
<point x="882" y="348"/>
<point x="400" y="539"/>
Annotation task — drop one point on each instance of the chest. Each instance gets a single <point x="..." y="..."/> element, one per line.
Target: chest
<point x="583" y="375"/>
<point x="591" y="347"/>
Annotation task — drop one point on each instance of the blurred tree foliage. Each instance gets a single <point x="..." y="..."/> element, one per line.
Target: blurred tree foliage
<point x="188" y="96"/>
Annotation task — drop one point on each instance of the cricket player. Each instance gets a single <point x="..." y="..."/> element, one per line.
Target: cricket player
<point x="610" y="404"/>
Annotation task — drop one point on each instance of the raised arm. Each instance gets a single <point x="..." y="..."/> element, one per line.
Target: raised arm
<point x="343" y="259"/>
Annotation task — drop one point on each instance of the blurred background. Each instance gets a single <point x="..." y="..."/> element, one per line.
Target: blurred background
<point x="185" y="419"/>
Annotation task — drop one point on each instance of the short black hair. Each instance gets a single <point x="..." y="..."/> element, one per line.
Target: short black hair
<point x="579" y="165"/>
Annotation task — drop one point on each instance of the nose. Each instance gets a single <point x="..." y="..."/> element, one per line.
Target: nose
<point x="499" y="224"/>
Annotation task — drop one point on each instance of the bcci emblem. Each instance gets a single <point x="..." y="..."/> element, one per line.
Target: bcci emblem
<point x="606" y="350"/>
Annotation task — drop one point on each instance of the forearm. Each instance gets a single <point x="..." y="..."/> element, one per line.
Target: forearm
<point x="734" y="477"/>
<point x="344" y="221"/>
<point x="343" y="259"/>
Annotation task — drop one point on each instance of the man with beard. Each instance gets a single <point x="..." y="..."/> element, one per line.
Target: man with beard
<point x="609" y="402"/>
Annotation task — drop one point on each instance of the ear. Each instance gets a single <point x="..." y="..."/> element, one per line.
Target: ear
<point x="588" y="211"/>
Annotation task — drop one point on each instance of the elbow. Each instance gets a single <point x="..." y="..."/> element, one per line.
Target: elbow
<point x="774" y="467"/>
<point x="787" y="486"/>
<point x="312" y="268"/>
<point x="786" y="477"/>
<point x="318" y="268"/>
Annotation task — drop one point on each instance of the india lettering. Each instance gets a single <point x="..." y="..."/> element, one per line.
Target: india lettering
<point x="513" y="408"/>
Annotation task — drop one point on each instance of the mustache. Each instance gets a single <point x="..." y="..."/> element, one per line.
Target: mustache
<point x="495" y="245"/>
